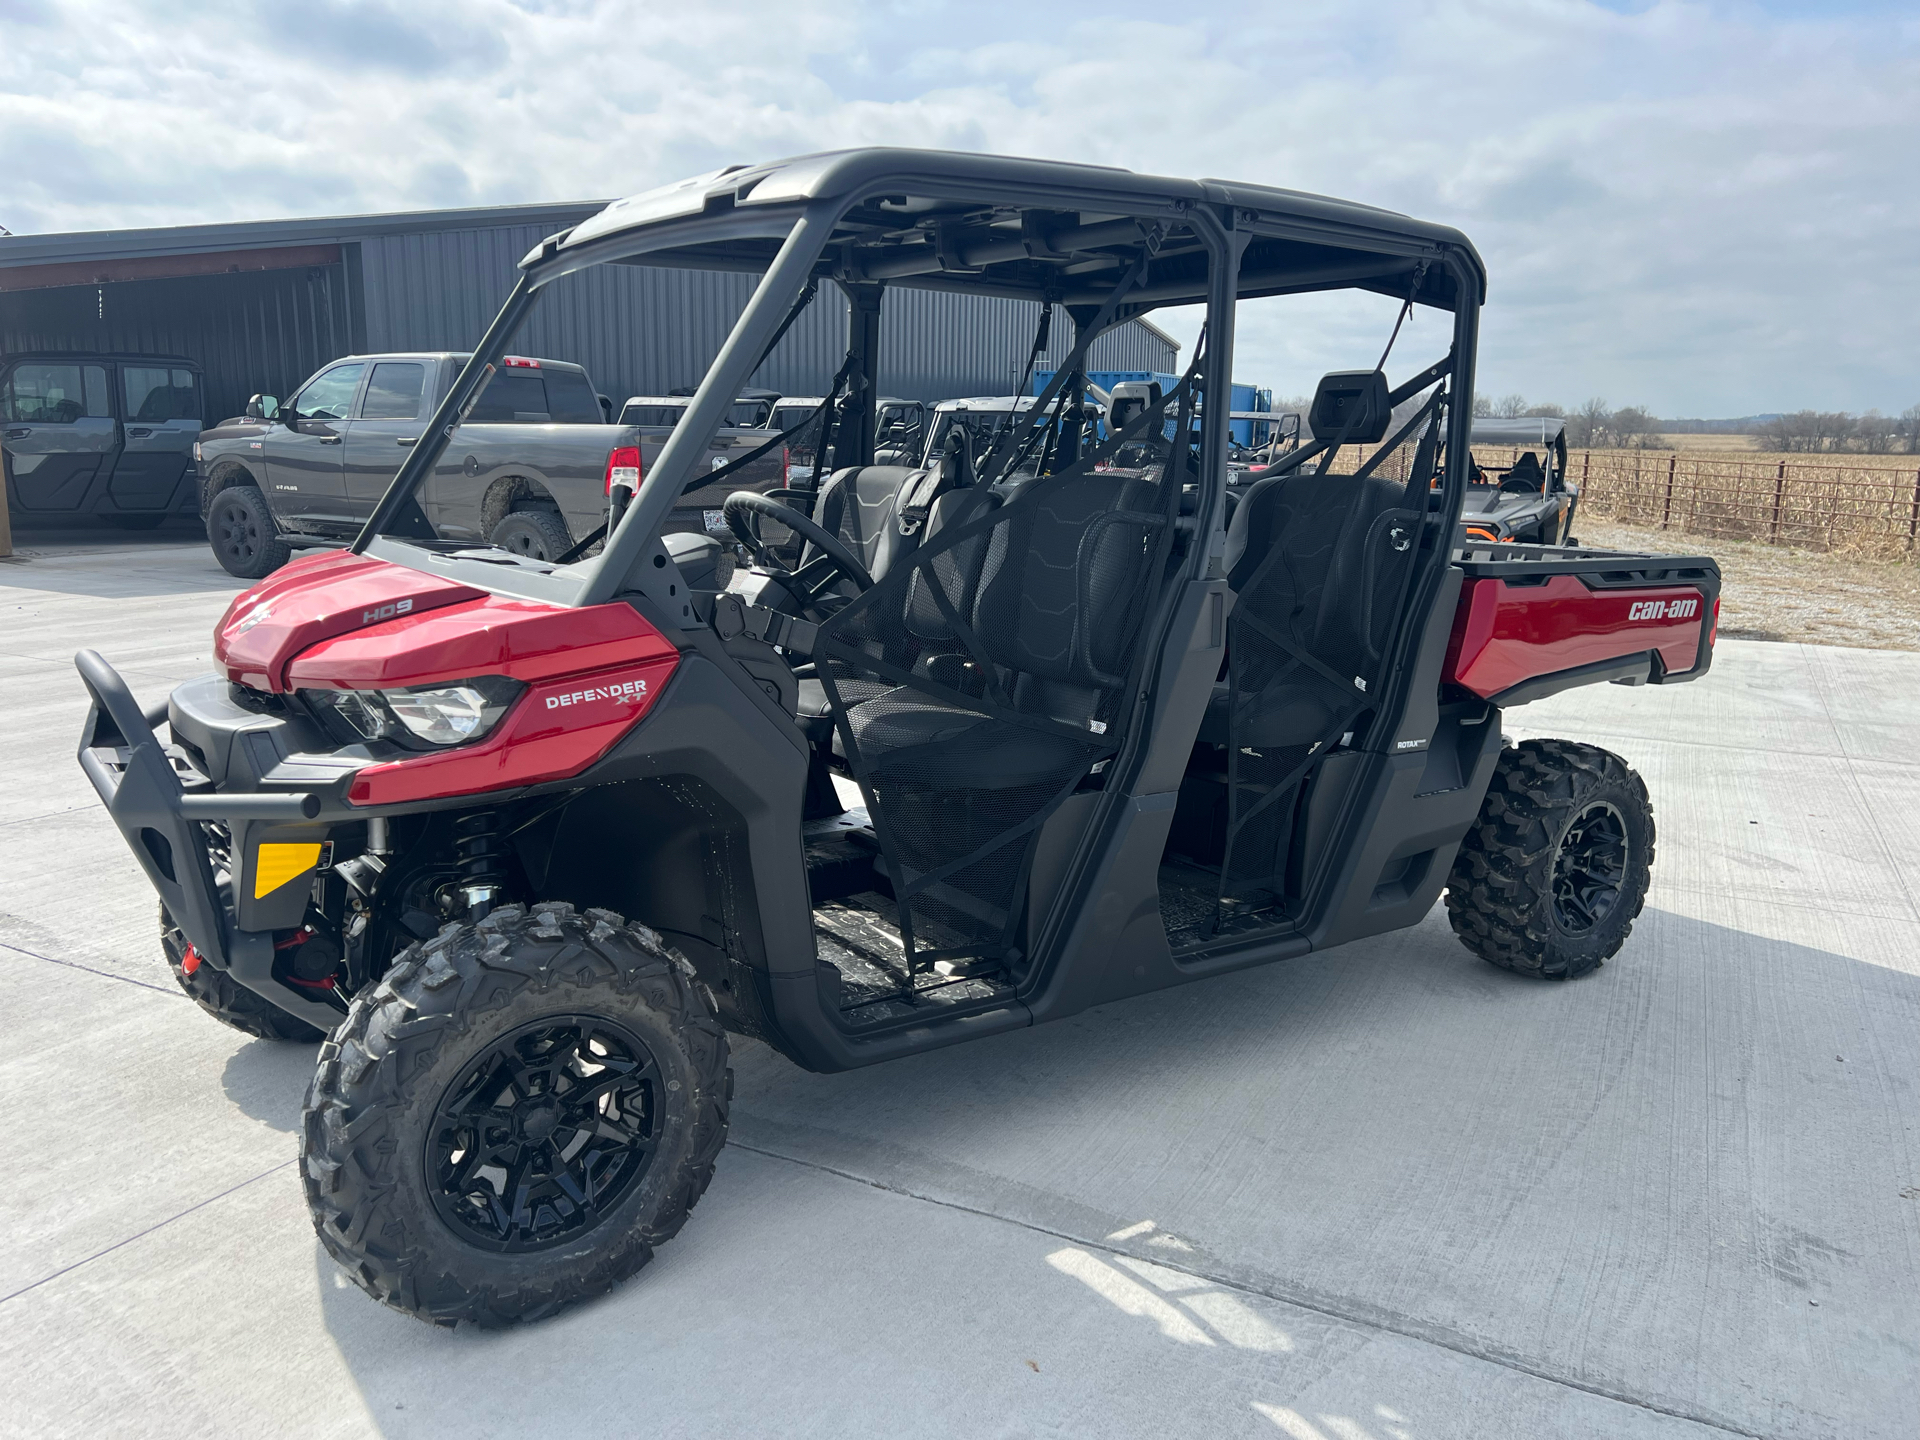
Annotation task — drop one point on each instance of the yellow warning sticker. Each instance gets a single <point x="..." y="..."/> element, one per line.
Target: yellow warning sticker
<point x="278" y="864"/>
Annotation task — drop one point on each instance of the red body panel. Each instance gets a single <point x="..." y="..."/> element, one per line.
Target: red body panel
<point x="1504" y="634"/>
<point x="313" y="599"/>
<point x="344" y="622"/>
<point x="490" y="635"/>
<point x="557" y="729"/>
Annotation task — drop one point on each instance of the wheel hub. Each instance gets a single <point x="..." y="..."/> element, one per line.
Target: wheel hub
<point x="1590" y="868"/>
<point x="544" y="1133"/>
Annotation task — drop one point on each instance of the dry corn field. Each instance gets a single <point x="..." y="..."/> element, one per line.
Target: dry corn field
<point x="1864" y="505"/>
<point x="1853" y="505"/>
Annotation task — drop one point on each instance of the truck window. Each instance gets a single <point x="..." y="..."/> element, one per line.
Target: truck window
<point x="570" y="399"/>
<point x="160" y="393"/>
<point x="393" y="392"/>
<point x="749" y="414"/>
<point x="511" y="396"/>
<point x="43" y="393"/>
<point x="330" y="393"/>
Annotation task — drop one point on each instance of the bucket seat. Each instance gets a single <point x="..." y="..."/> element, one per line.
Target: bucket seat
<point x="1330" y="589"/>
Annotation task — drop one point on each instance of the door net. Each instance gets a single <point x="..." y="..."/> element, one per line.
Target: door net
<point x="990" y="673"/>
<point x="1309" y="637"/>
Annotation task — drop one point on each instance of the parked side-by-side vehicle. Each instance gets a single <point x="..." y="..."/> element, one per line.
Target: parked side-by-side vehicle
<point x="976" y="744"/>
<point x="99" y="435"/>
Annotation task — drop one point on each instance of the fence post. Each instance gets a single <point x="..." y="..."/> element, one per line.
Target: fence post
<point x="1779" y="496"/>
<point x="1913" y="523"/>
<point x="1666" y="512"/>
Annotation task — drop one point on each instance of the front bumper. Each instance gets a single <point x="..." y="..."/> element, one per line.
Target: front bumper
<point x="143" y="788"/>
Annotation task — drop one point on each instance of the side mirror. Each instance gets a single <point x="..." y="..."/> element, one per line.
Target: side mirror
<point x="606" y="406"/>
<point x="263" y="407"/>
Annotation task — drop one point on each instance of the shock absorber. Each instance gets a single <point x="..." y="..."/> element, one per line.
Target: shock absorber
<point x="480" y="850"/>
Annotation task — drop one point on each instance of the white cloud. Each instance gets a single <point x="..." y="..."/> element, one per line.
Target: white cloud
<point x="1703" y="208"/>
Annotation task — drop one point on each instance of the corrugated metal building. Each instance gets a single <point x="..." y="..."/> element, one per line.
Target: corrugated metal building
<point x="262" y="305"/>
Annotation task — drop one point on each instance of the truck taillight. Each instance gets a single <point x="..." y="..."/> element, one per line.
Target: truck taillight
<point x="519" y="362"/>
<point x="786" y="465"/>
<point x="623" y="467"/>
<point x="1713" y="635"/>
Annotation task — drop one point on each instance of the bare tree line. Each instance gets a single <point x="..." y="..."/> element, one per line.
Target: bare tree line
<point x="1598" y="426"/>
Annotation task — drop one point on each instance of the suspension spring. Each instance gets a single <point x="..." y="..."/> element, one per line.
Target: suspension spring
<point x="480" y="851"/>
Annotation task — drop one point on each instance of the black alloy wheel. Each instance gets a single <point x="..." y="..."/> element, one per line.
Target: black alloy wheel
<point x="516" y="1116"/>
<point x="1554" y="872"/>
<point x="1590" y="869"/>
<point x="242" y="533"/>
<point x="545" y="1134"/>
<point x="538" y="533"/>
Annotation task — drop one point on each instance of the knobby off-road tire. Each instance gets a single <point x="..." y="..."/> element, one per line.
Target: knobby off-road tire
<point x="1553" y="874"/>
<point x="431" y="1073"/>
<point x="225" y="998"/>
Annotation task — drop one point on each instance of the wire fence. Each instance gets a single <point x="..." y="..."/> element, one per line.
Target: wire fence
<point x="1856" y="507"/>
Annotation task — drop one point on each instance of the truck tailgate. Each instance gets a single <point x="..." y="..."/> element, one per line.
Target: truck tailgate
<point x="1535" y="620"/>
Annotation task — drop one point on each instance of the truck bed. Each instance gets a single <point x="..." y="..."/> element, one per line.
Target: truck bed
<point x="1534" y="620"/>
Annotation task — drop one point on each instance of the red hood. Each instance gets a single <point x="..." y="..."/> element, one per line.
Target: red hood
<point x="314" y="599"/>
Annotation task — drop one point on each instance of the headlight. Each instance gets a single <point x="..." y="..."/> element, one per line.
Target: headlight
<point x="437" y="715"/>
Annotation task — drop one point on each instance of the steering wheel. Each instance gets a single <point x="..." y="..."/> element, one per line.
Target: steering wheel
<point x="812" y="582"/>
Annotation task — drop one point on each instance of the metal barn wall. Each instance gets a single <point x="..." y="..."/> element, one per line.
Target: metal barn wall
<point x="259" y="332"/>
<point x="642" y="331"/>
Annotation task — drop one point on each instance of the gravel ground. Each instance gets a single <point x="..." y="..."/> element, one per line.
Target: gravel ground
<point x="1770" y="592"/>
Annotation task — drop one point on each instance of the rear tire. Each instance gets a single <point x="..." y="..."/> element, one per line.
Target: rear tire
<point x="1553" y="874"/>
<point x="538" y="534"/>
<point x="225" y="998"/>
<point x="244" y="538"/>
<point x="568" y="1066"/>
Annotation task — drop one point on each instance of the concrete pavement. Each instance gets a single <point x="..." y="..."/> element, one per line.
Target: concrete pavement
<point x="1387" y="1191"/>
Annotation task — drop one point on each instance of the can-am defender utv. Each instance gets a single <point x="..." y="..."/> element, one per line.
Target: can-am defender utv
<point x="526" y="839"/>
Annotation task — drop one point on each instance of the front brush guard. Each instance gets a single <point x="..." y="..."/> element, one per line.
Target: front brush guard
<point x="162" y="825"/>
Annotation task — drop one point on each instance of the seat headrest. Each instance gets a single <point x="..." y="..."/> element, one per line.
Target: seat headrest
<point x="1353" y="405"/>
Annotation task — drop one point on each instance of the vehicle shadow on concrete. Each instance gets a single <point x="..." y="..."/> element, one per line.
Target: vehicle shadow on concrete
<point x="1702" y="1147"/>
<point x="266" y="1080"/>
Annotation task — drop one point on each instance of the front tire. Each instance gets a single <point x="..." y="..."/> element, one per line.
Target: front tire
<point x="1553" y="874"/>
<point x="515" y="1117"/>
<point x="225" y="998"/>
<point x="244" y="538"/>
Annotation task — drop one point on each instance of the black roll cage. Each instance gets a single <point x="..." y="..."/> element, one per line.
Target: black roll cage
<point x="1208" y="241"/>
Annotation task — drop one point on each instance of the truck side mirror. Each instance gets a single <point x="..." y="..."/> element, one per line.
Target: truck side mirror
<point x="263" y="407"/>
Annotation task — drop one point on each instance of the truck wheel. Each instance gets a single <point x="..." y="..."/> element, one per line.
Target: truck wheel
<point x="1550" y="878"/>
<point x="225" y="998"/>
<point x="539" y="534"/>
<point x="241" y="530"/>
<point x="515" y="1116"/>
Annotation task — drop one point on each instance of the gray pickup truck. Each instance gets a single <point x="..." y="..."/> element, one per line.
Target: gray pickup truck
<point x="529" y="469"/>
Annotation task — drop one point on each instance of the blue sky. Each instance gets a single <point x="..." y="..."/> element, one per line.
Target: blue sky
<point x="1705" y="208"/>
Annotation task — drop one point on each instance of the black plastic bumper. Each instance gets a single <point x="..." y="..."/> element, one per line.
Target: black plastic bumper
<point x="142" y="791"/>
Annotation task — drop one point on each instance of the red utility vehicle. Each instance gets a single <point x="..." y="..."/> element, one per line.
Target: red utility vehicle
<point x="1022" y="731"/>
